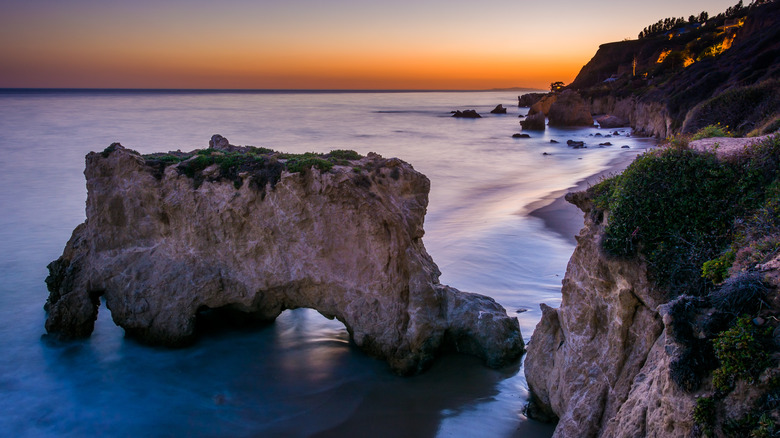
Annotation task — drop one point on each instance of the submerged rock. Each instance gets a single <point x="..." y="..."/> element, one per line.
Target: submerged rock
<point x="164" y="249"/>
<point x="466" y="114"/>
<point x="518" y="135"/>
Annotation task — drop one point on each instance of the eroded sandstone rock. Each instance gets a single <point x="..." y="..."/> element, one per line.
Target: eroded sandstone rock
<point x="163" y="249"/>
<point x="534" y="122"/>
<point x="569" y="109"/>
<point x="584" y="357"/>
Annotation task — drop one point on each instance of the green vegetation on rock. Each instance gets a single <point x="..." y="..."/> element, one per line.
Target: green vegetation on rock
<point x="704" y="414"/>
<point x="742" y="353"/>
<point x="263" y="165"/>
<point x="710" y="131"/>
<point x="677" y="207"/>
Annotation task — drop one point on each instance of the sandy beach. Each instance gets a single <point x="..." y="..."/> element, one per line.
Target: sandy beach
<point x="564" y="218"/>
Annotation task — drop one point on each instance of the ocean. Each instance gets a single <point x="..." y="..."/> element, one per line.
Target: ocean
<point x="299" y="377"/>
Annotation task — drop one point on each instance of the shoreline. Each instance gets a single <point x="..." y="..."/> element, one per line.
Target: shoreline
<point x="563" y="218"/>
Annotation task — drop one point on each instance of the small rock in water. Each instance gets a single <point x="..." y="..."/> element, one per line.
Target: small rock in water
<point x="545" y="153"/>
<point x="499" y="109"/>
<point x="598" y="134"/>
<point x="606" y="143"/>
<point x="521" y="310"/>
<point x="608" y="136"/>
<point x="466" y="114"/>
<point x="625" y="146"/>
<point x="615" y="133"/>
<point x="553" y="141"/>
<point x="576" y="144"/>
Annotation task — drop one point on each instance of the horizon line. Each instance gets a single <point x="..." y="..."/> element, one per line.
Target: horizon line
<point x="260" y="90"/>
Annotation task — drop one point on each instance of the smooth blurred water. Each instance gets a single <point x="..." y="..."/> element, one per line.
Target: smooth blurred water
<point x="299" y="376"/>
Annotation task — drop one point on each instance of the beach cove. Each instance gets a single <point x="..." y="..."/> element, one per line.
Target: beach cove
<point x="492" y="212"/>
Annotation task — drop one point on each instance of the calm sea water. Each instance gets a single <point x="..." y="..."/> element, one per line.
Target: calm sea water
<point x="300" y="376"/>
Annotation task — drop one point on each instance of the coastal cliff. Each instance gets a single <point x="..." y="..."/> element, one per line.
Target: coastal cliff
<point x="722" y="70"/>
<point x="585" y="355"/>
<point x="668" y="324"/>
<point x="242" y="233"/>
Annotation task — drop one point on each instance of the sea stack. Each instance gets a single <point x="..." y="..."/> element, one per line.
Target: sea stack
<point x="252" y="232"/>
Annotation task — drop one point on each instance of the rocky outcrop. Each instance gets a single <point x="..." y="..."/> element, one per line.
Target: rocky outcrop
<point x="526" y="100"/>
<point x="585" y="357"/>
<point x="569" y="109"/>
<point x="534" y="122"/>
<point x="645" y="118"/>
<point x="466" y="114"/>
<point x="611" y="121"/>
<point x="543" y="105"/>
<point x="165" y="247"/>
<point x="499" y="109"/>
<point x="618" y="359"/>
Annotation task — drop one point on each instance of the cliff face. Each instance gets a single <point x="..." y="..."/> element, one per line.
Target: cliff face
<point x="165" y="250"/>
<point x="584" y="356"/>
<point x="657" y="82"/>
<point x="625" y="357"/>
<point x="650" y="119"/>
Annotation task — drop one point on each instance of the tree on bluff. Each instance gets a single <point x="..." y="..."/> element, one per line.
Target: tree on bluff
<point x="557" y="86"/>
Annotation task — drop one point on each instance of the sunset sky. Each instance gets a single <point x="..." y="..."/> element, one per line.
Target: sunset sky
<point x="308" y="44"/>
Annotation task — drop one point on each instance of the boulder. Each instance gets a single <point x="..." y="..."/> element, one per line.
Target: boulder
<point x="466" y="114"/>
<point x="569" y="110"/>
<point x="611" y="121"/>
<point x="499" y="109"/>
<point x="518" y="135"/>
<point x="167" y="243"/>
<point x="219" y="142"/>
<point x="534" y="122"/>
<point x="576" y="144"/>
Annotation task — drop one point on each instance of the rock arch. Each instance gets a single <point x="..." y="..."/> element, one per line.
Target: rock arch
<point x="346" y="241"/>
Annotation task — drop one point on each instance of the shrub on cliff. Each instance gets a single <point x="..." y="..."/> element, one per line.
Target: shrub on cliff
<point x="261" y="164"/>
<point x="742" y="352"/>
<point x="741" y="108"/>
<point x="677" y="207"/>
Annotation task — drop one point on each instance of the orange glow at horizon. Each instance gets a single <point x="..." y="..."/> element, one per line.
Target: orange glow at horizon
<point x="302" y="44"/>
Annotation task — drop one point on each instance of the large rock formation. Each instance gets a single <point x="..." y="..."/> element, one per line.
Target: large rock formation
<point x="645" y="117"/>
<point x="584" y="356"/>
<point x="569" y="109"/>
<point x="167" y="241"/>
<point x="534" y="122"/>
<point x="544" y="104"/>
<point x="528" y="99"/>
<point x="619" y="359"/>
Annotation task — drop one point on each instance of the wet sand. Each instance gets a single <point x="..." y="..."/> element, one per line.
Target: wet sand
<point x="564" y="218"/>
